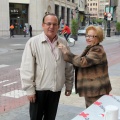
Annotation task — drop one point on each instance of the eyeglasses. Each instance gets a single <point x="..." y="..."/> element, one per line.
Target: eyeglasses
<point x="91" y="36"/>
<point x="49" y="24"/>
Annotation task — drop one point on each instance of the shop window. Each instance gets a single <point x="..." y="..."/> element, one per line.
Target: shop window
<point x="18" y="16"/>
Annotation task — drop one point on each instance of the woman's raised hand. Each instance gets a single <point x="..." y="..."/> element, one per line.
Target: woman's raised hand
<point x="63" y="48"/>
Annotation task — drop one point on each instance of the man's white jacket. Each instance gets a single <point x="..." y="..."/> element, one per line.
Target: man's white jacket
<point x="41" y="70"/>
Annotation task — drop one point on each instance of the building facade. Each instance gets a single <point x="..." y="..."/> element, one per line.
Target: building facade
<point x="30" y="12"/>
<point x="118" y="11"/>
<point x="97" y="8"/>
<point x="101" y="8"/>
<point x="82" y="12"/>
<point x="93" y="8"/>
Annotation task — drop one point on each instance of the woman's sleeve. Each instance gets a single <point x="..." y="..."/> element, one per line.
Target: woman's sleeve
<point x="94" y="56"/>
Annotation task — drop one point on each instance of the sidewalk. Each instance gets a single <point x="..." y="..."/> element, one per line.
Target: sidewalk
<point x="71" y="106"/>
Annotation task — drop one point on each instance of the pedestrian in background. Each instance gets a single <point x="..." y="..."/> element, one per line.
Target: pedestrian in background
<point x="44" y="72"/>
<point x="91" y="67"/>
<point x="24" y="30"/>
<point x="11" y="30"/>
<point x="30" y="30"/>
<point x="66" y="31"/>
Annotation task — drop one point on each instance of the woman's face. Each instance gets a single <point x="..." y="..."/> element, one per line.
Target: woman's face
<point x="92" y="38"/>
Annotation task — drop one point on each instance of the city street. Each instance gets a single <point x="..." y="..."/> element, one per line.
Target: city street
<point x="12" y="97"/>
<point x="10" y="86"/>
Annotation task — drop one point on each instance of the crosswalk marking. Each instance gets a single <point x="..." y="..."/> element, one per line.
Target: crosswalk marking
<point x="15" y="94"/>
<point x="3" y="81"/>
<point x="17" y="69"/>
<point x="16" y="44"/>
<point x="9" y="84"/>
<point x="3" y="65"/>
<point x="2" y="50"/>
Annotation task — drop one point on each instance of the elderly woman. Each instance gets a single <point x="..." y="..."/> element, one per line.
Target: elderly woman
<point x="91" y="67"/>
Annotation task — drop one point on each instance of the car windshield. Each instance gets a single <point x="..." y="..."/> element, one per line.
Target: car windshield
<point x="82" y="27"/>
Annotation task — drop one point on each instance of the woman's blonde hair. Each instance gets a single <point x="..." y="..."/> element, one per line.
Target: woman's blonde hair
<point x="98" y="30"/>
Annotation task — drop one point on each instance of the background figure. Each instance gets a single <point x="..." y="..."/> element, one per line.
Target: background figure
<point x="66" y="31"/>
<point x="44" y="72"/>
<point x="24" y="30"/>
<point x="91" y="67"/>
<point x="30" y="30"/>
<point x="12" y="30"/>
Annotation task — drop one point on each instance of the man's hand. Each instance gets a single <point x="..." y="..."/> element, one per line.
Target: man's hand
<point x="31" y="98"/>
<point x="68" y="92"/>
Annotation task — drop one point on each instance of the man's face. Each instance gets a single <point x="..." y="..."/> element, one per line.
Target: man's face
<point x="50" y="26"/>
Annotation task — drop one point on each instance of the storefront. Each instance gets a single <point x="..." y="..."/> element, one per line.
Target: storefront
<point x="18" y="16"/>
<point x="30" y="12"/>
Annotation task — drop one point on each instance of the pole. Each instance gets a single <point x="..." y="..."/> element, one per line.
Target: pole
<point x="108" y="23"/>
<point x="89" y="19"/>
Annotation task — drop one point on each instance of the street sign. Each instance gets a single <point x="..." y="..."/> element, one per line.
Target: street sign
<point x="109" y="9"/>
<point x="109" y="16"/>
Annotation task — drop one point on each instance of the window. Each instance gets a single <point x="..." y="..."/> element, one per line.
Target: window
<point x="63" y="12"/>
<point x="73" y="1"/>
<point x="57" y="10"/>
<point x="68" y="15"/>
<point x="90" y="9"/>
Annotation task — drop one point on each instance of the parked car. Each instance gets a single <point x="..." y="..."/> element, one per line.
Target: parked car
<point x="102" y="26"/>
<point x="82" y="30"/>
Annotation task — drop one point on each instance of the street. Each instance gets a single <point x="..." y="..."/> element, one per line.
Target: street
<point x="10" y="86"/>
<point x="11" y="51"/>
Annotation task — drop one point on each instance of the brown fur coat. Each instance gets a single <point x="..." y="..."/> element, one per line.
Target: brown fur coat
<point x="91" y="71"/>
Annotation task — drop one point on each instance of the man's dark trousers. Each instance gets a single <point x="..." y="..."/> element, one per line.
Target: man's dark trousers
<point x="45" y="107"/>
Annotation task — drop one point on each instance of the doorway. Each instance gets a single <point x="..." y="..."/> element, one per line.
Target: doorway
<point x="18" y="25"/>
<point x="18" y="17"/>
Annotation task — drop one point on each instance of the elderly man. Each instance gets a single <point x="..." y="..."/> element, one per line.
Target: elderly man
<point x="44" y="71"/>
